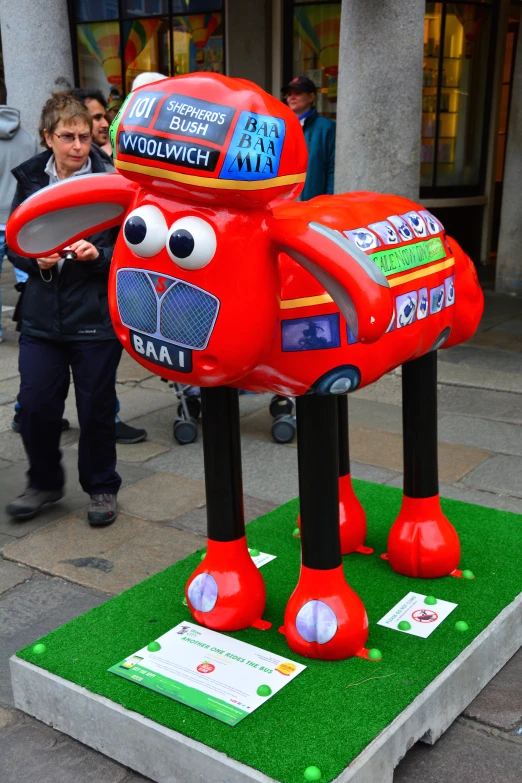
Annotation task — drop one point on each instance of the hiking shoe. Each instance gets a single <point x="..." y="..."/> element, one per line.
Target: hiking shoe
<point x="127" y="434"/>
<point x="102" y="510"/>
<point x="30" y="502"/>
<point x="15" y="424"/>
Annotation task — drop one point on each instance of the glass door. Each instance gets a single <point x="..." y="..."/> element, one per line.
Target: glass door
<point x="457" y="70"/>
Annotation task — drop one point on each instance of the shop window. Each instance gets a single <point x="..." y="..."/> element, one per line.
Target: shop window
<point x="198" y="43"/>
<point x="99" y="61"/>
<point x="166" y="36"/>
<point x="316" y="50"/>
<point x="195" y="6"/>
<point x="457" y="70"/>
<point x="95" y="10"/>
<point x="457" y="64"/>
<point x="147" y="48"/>
<point x="145" y="7"/>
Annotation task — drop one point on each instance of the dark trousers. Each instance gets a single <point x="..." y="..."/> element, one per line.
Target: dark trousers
<point x="45" y="372"/>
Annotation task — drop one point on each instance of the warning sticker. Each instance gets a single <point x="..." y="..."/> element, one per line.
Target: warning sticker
<point x="416" y="616"/>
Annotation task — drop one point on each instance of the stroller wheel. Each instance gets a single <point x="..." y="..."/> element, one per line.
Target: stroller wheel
<point x="193" y="405"/>
<point x="283" y="429"/>
<point x="280" y="406"/>
<point x="185" y="431"/>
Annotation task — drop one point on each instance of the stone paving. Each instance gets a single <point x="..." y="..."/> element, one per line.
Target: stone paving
<point x="55" y="567"/>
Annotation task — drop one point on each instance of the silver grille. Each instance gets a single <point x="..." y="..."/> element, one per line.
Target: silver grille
<point x="136" y="301"/>
<point x="187" y="315"/>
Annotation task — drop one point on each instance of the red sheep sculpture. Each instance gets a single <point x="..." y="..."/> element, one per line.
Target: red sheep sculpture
<point x="220" y="280"/>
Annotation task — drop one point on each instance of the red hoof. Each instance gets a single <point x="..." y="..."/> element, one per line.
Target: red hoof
<point x="352" y="518"/>
<point x="422" y="542"/>
<point x="324" y="617"/>
<point x="226" y="592"/>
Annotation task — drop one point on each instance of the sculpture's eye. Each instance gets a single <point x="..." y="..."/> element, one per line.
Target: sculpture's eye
<point x="145" y="230"/>
<point x="191" y="242"/>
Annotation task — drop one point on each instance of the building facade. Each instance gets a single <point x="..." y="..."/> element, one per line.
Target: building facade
<point x="450" y="93"/>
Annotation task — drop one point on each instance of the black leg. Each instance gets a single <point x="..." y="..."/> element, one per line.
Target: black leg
<point x="318" y="459"/>
<point x="222" y="455"/>
<point x="344" y="444"/>
<point x="419" y="417"/>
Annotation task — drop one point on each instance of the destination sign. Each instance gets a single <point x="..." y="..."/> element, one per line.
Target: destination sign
<point x="184" y="116"/>
<point x="400" y="259"/>
<point x="174" y="151"/>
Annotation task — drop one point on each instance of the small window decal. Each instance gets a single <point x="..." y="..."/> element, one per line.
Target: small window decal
<point x="311" y="334"/>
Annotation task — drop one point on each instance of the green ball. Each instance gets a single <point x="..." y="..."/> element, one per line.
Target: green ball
<point x="430" y="600"/>
<point x="264" y="690"/>
<point x="312" y="773"/>
<point x="461" y="625"/>
<point x="254" y="552"/>
<point x="467" y="574"/>
<point x="39" y="649"/>
<point x="203" y="556"/>
<point x="296" y="532"/>
<point x="404" y="625"/>
<point x="185" y="602"/>
<point x="153" y="646"/>
<point x="374" y="654"/>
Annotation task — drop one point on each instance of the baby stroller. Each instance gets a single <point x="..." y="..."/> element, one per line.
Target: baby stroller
<point x="282" y="411"/>
<point x="185" y="427"/>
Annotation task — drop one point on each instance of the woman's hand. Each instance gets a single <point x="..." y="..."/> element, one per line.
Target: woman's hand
<point x="46" y="262"/>
<point x="84" y="250"/>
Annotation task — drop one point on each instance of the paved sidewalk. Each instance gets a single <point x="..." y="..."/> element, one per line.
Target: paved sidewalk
<point x="55" y="567"/>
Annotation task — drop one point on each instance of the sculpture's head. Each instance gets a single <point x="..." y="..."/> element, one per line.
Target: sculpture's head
<point x="210" y="139"/>
<point x="210" y="153"/>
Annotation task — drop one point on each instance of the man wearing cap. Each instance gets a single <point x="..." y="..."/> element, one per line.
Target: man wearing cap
<point x="319" y="134"/>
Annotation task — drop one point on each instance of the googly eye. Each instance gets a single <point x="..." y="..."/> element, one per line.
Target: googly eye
<point x="191" y="242"/>
<point x="144" y="231"/>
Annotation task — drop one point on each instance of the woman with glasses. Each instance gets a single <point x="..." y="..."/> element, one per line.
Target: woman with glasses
<point x="66" y="327"/>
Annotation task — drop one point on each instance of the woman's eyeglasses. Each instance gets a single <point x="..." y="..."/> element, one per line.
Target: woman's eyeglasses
<point x="69" y="138"/>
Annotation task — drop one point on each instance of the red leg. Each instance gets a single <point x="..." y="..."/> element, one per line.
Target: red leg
<point x="352" y="518"/>
<point x="422" y="542"/>
<point x="226" y="592"/>
<point x="324" y="617"/>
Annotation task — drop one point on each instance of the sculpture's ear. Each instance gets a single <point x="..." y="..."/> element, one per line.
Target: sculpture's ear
<point x="55" y="216"/>
<point x="353" y="280"/>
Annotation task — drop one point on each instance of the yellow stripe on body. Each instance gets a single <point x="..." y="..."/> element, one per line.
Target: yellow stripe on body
<point x="309" y="301"/>
<point x="207" y="182"/>
<point x="306" y="301"/>
<point x="423" y="272"/>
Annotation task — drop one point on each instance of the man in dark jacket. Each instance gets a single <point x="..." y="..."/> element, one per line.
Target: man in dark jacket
<point x="66" y="326"/>
<point x="319" y="133"/>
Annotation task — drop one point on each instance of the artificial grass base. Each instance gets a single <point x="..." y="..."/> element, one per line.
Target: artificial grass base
<point x="333" y="710"/>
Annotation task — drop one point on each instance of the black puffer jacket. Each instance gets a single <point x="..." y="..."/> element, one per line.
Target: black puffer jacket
<point x="74" y="304"/>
